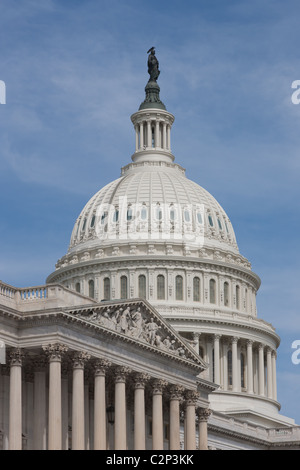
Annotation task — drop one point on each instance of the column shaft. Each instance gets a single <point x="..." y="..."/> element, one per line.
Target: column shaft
<point x="249" y="367"/>
<point x="15" y="401"/>
<point x="235" y="387"/>
<point x="261" y="372"/>
<point x="269" y="374"/>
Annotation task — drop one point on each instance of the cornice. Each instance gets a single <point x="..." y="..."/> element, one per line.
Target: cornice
<point x="168" y="261"/>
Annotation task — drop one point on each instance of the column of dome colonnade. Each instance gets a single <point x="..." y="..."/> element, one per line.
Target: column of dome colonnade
<point x="239" y="364"/>
<point x="111" y="384"/>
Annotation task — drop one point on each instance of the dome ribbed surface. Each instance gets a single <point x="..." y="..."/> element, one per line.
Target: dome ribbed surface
<point x="151" y="187"/>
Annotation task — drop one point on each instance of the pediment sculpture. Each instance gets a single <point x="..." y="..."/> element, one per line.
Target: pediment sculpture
<point x="136" y="322"/>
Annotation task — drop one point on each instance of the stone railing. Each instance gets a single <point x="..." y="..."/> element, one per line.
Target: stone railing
<point x="44" y="296"/>
<point x="272" y="436"/>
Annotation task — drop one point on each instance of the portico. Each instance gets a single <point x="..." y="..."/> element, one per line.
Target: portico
<point x="94" y="397"/>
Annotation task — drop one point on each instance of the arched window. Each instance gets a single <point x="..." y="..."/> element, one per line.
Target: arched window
<point x="123" y="287"/>
<point x="229" y="367"/>
<point x="91" y="288"/>
<point x="77" y="287"/>
<point x="106" y="288"/>
<point x="179" y="287"/>
<point x="212" y="291"/>
<point x="142" y="286"/>
<point x="237" y="296"/>
<point x="246" y="300"/>
<point x="242" y="370"/>
<point x="196" y="289"/>
<point x="226" y="294"/>
<point x="161" y="287"/>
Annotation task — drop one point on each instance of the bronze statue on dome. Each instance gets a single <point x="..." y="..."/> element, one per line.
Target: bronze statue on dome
<point x="153" y="65"/>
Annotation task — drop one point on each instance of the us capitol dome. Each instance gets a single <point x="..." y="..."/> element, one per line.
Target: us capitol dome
<point x="155" y="234"/>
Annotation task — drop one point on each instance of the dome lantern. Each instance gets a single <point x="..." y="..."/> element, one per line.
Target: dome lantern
<point x="152" y="123"/>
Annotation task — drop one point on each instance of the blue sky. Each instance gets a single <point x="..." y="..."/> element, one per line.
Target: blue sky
<point x="75" y="71"/>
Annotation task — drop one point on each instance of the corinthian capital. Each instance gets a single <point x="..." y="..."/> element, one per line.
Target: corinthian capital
<point x="55" y="351"/>
<point x="16" y="357"/>
<point x="203" y="414"/>
<point x="79" y="359"/>
<point x="101" y="366"/>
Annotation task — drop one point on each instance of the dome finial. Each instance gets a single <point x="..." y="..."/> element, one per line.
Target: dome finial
<point x="152" y="89"/>
<point x="153" y="65"/>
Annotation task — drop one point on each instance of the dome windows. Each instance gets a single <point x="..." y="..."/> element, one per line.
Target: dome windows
<point x="106" y="288"/>
<point x="219" y="224"/>
<point x="179" y="287"/>
<point x="187" y="216"/>
<point x="144" y="212"/>
<point x="93" y="220"/>
<point x="212" y="291"/>
<point x="84" y="225"/>
<point x="124" y="287"/>
<point x="196" y="289"/>
<point x="161" y="290"/>
<point x="129" y="213"/>
<point x="116" y="216"/>
<point x="199" y="218"/>
<point x="210" y="220"/>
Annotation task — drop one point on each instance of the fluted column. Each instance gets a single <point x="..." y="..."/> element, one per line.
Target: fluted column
<point x="235" y="387"/>
<point x="79" y="359"/>
<point x="39" y="413"/>
<point x="136" y="137"/>
<point x="249" y="367"/>
<point x="269" y="374"/>
<point x="261" y="372"/>
<point x="176" y="392"/>
<point x="65" y="406"/>
<point x="139" y="411"/>
<point x="149" y="134"/>
<point x="100" y="368"/>
<point x="157" y="414"/>
<point x="203" y="415"/>
<point x="217" y="358"/>
<point x="190" y="410"/>
<point x="120" y="408"/>
<point x="157" y="143"/>
<point x="274" y="375"/>
<point x="164" y="144"/>
<point x="15" y="399"/>
<point x="55" y="353"/>
<point x="141" y="135"/>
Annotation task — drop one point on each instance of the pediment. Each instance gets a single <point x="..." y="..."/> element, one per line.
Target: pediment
<point x="138" y="321"/>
